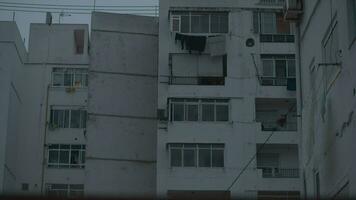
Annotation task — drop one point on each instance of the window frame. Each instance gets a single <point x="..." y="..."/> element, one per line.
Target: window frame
<point x="73" y="72"/>
<point x="83" y="117"/>
<point x="189" y="14"/>
<point x="67" y="188"/>
<point x="199" y="102"/>
<point x="58" y="165"/>
<point x="196" y="147"/>
<point x="287" y="37"/>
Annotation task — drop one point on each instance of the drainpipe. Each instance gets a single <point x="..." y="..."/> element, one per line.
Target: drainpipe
<point x="300" y="107"/>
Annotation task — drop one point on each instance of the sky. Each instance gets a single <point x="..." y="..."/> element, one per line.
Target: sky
<point x="25" y="12"/>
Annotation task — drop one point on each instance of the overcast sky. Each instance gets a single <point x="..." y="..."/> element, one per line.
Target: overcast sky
<point x="70" y="8"/>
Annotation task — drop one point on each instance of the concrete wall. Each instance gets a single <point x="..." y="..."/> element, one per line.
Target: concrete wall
<point x="121" y="159"/>
<point x="12" y="56"/>
<point x="327" y="146"/>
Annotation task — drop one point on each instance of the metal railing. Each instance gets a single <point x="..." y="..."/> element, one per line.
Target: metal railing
<point x="273" y="81"/>
<point x="184" y="80"/>
<point x="274" y="126"/>
<point x="272" y="172"/>
<point x="272" y="2"/>
<point x="277" y="38"/>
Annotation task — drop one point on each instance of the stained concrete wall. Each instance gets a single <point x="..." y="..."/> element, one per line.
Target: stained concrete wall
<point x="12" y="56"/>
<point x="328" y="144"/>
<point x="121" y="150"/>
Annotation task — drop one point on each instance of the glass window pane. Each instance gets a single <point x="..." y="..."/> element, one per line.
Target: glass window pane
<point x="268" y="23"/>
<point x="218" y="158"/>
<point x="219" y="23"/>
<point x="291" y="68"/>
<point x="191" y="112"/>
<point x="79" y="80"/>
<point x="222" y="113"/>
<point x="283" y="27"/>
<point x="204" y="158"/>
<point x="185" y="24"/>
<point x="208" y="112"/>
<point x="200" y="23"/>
<point x="53" y="156"/>
<point x="268" y="68"/>
<point x="189" y="158"/>
<point x="176" y="157"/>
<point x="83" y="119"/>
<point x="68" y="79"/>
<point x="75" y="119"/>
<point x="74" y="157"/>
<point x="178" y="110"/>
<point x="64" y="157"/>
<point x="281" y="67"/>
<point x="57" y="79"/>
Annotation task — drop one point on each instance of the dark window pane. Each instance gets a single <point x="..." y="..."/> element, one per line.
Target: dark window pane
<point x="208" y="112"/>
<point x="53" y="157"/>
<point x="218" y="158"/>
<point x="57" y="79"/>
<point x="222" y="113"/>
<point x="64" y="157"/>
<point x="189" y="158"/>
<point x="200" y="23"/>
<point x="75" y="119"/>
<point x="178" y="112"/>
<point x="204" y="158"/>
<point x="74" y="157"/>
<point x="185" y="24"/>
<point x="68" y="79"/>
<point x="176" y="158"/>
<point x="192" y="112"/>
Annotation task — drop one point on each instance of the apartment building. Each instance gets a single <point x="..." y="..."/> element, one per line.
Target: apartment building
<point x="227" y="101"/>
<point x="12" y="56"/>
<point x="45" y="99"/>
<point x="326" y="35"/>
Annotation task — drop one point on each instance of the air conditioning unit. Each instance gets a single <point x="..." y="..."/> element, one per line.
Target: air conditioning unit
<point x="293" y="9"/>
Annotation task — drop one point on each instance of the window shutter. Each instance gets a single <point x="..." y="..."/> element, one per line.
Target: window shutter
<point x="256" y="22"/>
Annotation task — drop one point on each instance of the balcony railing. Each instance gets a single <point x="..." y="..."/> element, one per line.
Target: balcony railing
<point x="276" y="38"/>
<point x="274" y="126"/>
<point x="272" y="2"/>
<point x="184" y="80"/>
<point x="271" y="172"/>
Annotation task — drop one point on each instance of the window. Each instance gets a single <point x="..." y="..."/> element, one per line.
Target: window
<point x="65" y="190"/>
<point x="79" y="41"/>
<point x="276" y="69"/>
<point x="200" y="22"/>
<point x="274" y="28"/>
<point x="70" y="77"/>
<point x="213" y="110"/>
<point x="196" y="155"/>
<point x="68" y="118"/>
<point x="66" y="156"/>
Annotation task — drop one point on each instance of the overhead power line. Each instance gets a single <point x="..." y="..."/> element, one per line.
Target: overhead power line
<point x="81" y="9"/>
<point x="70" y="5"/>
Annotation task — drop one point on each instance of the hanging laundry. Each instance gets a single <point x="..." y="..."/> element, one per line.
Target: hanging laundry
<point x="217" y="45"/>
<point x="191" y="42"/>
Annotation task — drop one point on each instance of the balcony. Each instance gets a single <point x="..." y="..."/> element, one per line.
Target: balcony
<point x="184" y="80"/>
<point x="277" y="167"/>
<point x="276" y="114"/>
<point x="270" y="172"/>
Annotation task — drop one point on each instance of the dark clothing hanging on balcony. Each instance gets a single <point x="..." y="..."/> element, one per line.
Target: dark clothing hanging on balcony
<point x="191" y="43"/>
<point x="291" y="84"/>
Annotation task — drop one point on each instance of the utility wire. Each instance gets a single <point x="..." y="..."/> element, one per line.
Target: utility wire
<point x="78" y="13"/>
<point x="255" y="155"/>
<point x="85" y="9"/>
<point x="67" y="5"/>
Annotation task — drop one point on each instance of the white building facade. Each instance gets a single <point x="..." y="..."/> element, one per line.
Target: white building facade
<point x="227" y="101"/>
<point x="326" y="94"/>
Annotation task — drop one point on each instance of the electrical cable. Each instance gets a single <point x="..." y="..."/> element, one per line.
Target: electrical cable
<point x="66" y="5"/>
<point x="255" y="155"/>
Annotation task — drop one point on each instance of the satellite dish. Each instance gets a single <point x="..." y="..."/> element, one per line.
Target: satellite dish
<point x="250" y="42"/>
